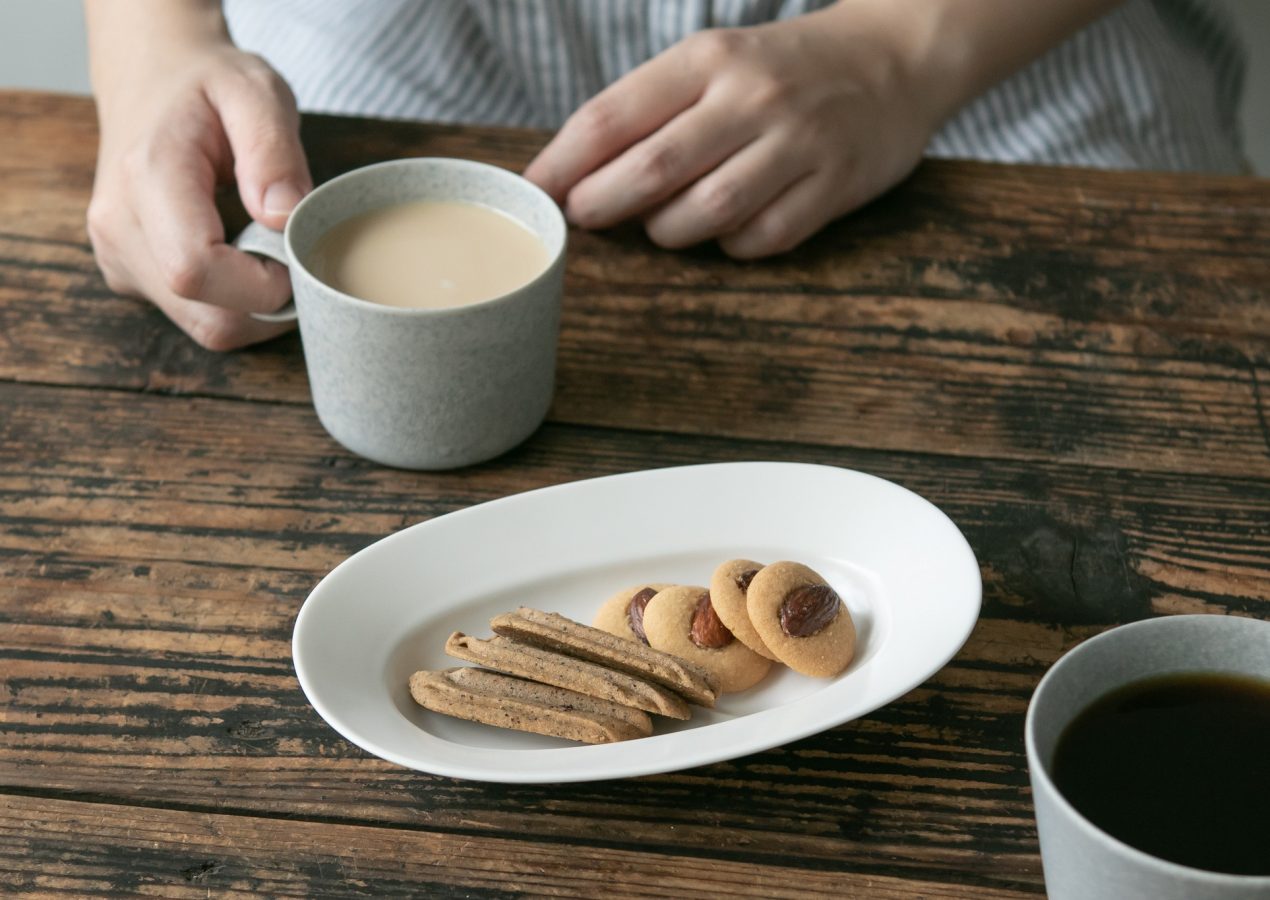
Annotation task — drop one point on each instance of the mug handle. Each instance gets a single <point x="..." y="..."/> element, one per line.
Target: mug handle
<point x="262" y="241"/>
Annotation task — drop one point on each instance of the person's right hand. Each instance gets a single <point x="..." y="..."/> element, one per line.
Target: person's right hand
<point x="171" y="133"/>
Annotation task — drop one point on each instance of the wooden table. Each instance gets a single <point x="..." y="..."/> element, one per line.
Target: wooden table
<point x="1074" y="365"/>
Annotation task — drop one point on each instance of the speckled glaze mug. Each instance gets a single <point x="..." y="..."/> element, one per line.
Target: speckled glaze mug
<point x="424" y="388"/>
<point x="1081" y="861"/>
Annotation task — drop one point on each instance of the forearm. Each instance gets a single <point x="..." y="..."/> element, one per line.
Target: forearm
<point x="129" y="40"/>
<point x="957" y="49"/>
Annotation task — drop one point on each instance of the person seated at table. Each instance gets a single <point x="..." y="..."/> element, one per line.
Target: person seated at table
<point x="752" y="123"/>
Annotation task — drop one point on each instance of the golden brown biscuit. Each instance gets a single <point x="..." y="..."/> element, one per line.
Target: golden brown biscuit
<point x="623" y="613"/>
<point x="553" y="630"/>
<point x="550" y="667"/>
<point x="495" y="699"/>
<point x="681" y="620"/>
<point x="801" y="619"/>
<point x="728" y="587"/>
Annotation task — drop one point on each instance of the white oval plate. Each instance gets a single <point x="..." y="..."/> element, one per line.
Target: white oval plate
<point x="905" y="572"/>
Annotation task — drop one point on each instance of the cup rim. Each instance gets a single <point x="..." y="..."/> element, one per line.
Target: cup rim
<point x="297" y="265"/>
<point x="1040" y="772"/>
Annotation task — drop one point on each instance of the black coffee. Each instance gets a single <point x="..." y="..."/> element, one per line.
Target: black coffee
<point x="1178" y="767"/>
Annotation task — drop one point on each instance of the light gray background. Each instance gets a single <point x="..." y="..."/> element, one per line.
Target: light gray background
<point x="42" y="46"/>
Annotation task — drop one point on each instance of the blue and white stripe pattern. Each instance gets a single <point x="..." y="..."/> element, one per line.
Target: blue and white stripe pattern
<point x="1154" y="84"/>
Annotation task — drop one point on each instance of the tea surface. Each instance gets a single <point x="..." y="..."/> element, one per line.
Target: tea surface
<point x="428" y="254"/>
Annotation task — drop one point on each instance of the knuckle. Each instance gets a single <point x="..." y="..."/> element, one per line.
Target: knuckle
<point x="598" y="121"/>
<point x="136" y="161"/>
<point x="829" y="135"/>
<point x="772" y="234"/>
<point x="777" y="235"/>
<point x="99" y="221"/>
<point x="261" y="145"/>
<point x="664" y="236"/>
<point x="213" y="330"/>
<point x="721" y="200"/>
<point x="262" y="130"/>
<point x="183" y="272"/>
<point x="716" y="47"/>
<point x="101" y="234"/>
<point x="770" y="94"/>
<point x="263" y="105"/>
<point x="259" y="75"/>
<point x="117" y="283"/>
<point x="657" y="162"/>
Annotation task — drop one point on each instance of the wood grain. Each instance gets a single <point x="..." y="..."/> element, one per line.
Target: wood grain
<point x="1073" y="365"/>
<point x="155" y="575"/>
<point x="979" y="310"/>
<point x="106" y="849"/>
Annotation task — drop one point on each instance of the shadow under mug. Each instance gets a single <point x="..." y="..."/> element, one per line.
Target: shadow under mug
<point x="1081" y="861"/>
<point x="423" y="388"/>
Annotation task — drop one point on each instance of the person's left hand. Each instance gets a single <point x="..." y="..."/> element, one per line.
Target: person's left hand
<point x="755" y="136"/>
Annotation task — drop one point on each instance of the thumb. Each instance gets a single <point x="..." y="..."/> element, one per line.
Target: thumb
<point x="262" y="126"/>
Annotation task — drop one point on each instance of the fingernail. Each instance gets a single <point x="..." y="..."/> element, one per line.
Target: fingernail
<point x="280" y="198"/>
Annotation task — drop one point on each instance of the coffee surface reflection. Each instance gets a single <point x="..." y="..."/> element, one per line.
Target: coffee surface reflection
<point x="1177" y="766"/>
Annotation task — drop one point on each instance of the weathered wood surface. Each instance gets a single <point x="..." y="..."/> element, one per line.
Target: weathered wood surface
<point x="1110" y="319"/>
<point x="179" y="854"/>
<point x="1073" y="365"/>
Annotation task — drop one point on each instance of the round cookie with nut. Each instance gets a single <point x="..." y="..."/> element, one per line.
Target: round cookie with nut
<point x="801" y="619"/>
<point x="622" y="614"/>
<point x="728" y="586"/>
<point x="682" y="621"/>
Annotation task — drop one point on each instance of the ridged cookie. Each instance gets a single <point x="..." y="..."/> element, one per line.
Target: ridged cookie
<point x="550" y="667"/>
<point x="584" y="642"/>
<point x="495" y="699"/>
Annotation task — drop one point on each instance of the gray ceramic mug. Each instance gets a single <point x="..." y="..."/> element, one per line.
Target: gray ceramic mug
<point x="424" y="388"/>
<point x="1081" y="861"/>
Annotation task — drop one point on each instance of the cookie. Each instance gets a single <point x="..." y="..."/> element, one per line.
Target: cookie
<point x="681" y="620"/>
<point x="623" y="613"/>
<point x="495" y="699"/>
<point x="801" y="619"/>
<point x="549" y="667"/>
<point x="552" y="630"/>
<point x="728" y="586"/>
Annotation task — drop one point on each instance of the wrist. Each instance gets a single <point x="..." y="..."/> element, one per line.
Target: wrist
<point x="951" y="51"/>
<point x="907" y="47"/>
<point x="134" y="45"/>
<point x="957" y="49"/>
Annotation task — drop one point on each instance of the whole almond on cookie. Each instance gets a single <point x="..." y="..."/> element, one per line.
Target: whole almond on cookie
<point x="728" y="587"/>
<point x="801" y="619"/>
<point x="682" y="621"/>
<point x="623" y="613"/>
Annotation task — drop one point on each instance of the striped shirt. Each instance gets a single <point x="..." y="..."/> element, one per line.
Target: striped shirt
<point x="1154" y="84"/>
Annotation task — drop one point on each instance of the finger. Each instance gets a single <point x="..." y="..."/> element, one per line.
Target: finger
<point x="727" y="197"/>
<point x="212" y="327"/>
<point x="258" y="113"/>
<point x="109" y="220"/>
<point x="216" y="328"/>
<point x="684" y="149"/>
<point x="786" y="222"/>
<point x="186" y="239"/>
<point x="627" y="111"/>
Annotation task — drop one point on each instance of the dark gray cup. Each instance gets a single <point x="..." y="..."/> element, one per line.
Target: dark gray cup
<point x="1083" y="862"/>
